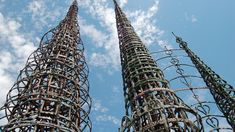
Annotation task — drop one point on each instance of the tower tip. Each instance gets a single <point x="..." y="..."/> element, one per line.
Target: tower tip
<point x="72" y="12"/>
<point x="115" y="2"/>
<point x="173" y="34"/>
<point x="75" y="2"/>
<point x="178" y="39"/>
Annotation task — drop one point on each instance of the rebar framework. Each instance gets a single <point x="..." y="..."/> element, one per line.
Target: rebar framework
<point x="187" y="83"/>
<point x="52" y="91"/>
<point x="152" y="105"/>
<point x="223" y="93"/>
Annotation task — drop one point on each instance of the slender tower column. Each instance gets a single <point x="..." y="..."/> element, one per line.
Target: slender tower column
<point x="223" y="93"/>
<point x="51" y="92"/>
<point x="151" y="106"/>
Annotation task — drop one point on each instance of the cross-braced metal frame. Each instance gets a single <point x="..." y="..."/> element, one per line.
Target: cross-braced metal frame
<point x="151" y="106"/>
<point x="52" y="91"/>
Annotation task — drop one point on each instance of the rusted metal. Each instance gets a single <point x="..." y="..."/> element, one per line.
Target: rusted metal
<point x="187" y="83"/>
<point x="52" y="91"/>
<point x="223" y="93"/>
<point x="151" y="106"/>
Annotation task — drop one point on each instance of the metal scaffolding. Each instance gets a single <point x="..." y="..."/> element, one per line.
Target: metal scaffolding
<point x="223" y="93"/>
<point x="151" y="106"/>
<point x="52" y="91"/>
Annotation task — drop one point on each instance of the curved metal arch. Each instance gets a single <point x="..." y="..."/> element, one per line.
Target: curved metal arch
<point x="175" y="62"/>
<point x="222" y="92"/>
<point x="52" y="85"/>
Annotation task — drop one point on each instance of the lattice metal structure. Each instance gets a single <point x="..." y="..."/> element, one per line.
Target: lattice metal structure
<point x="223" y="93"/>
<point x="188" y="84"/>
<point x="52" y="91"/>
<point x="151" y="106"/>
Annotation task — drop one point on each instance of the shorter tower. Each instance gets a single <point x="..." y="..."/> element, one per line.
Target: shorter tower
<point x="51" y="93"/>
<point x="223" y="93"/>
<point x="151" y="106"/>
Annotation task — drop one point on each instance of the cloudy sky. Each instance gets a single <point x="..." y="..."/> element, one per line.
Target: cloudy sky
<point x="208" y="27"/>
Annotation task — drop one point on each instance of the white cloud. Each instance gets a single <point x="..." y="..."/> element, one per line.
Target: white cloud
<point x="164" y="43"/>
<point x="192" y="18"/>
<point x="6" y="79"/>
<point x="108" y="118"/>
<point x="42" y="15"/>
<point x="123" y="2"/>
<point x="142" y="21"/>
<point x="22" y="46"/>
<point x="116" y="89"/>
<point x="12" y="60"/>
<point x="97" y="36"/>
<point x="101" y="113"/>
<point x="99" y="60"/>
<point x="97" y="106"/>
<point x="6" y="84"/>
<point x="13" y="25"/>
<point x="106" y="18"/>
<point x="36" y="6"/>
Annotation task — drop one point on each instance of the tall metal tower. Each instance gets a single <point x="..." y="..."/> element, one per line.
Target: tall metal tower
<point x="223" y="93"/>
<point x="188" y="84"/>
<point x="151" y="106"/>
<point x="51" y="92"/>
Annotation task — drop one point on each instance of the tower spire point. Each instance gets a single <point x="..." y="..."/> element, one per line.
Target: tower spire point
<point x="115" y="2"/>
<point x="52" y="90"/>
<point x="73" y="11"/>
<point x="174" y="34"/>
<point x="179" y="40"/>
<point x="75" y="2"/>
<point x="146" y="91"/>
<point x="222" y="92"/>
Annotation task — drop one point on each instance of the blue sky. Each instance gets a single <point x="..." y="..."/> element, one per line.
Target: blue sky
<point x="208" y="27"/>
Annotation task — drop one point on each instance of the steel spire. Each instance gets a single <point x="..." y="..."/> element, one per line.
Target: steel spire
<point x="52" y="90"/>
<point x="223" y="93"/>
<point x="150" y="104"/>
